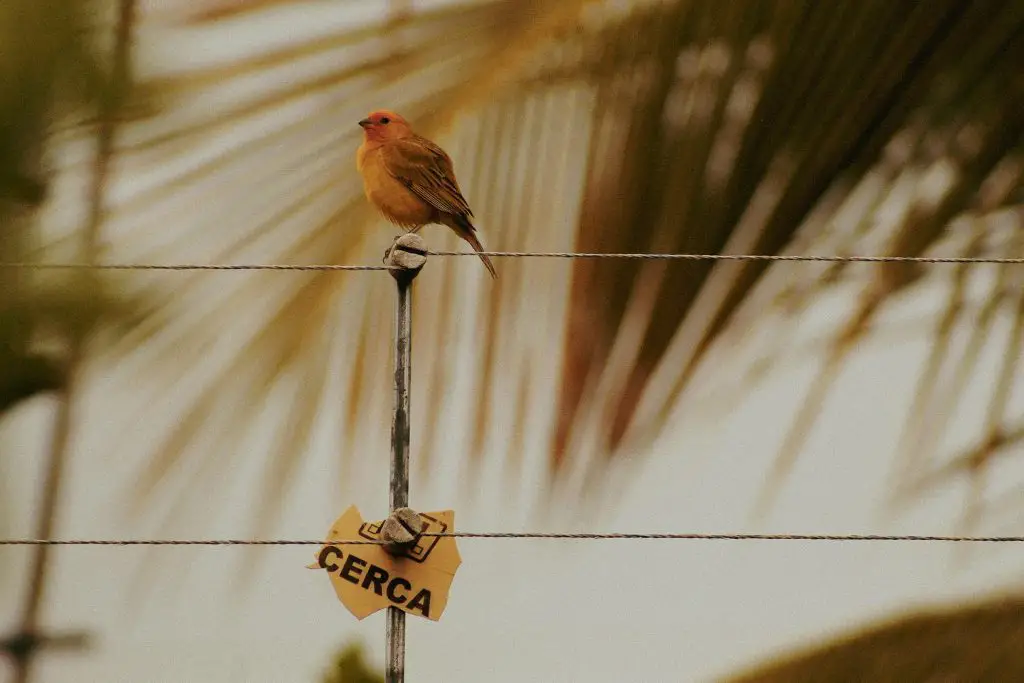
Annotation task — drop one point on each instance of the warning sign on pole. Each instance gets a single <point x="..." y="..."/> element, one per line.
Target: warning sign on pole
<point x="367" y="578"/>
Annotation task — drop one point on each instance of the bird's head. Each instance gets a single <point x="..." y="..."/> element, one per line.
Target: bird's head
<point x="385" y="125"/>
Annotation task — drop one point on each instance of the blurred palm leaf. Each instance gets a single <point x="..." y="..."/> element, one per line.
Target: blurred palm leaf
<point x="856" y="126"/>
<point x="350" y="666"/>
<point x="57" y="95"/>
<point x="752" y="131"/>
<point x="979" y="643"/>
<point x="52" y="80"/>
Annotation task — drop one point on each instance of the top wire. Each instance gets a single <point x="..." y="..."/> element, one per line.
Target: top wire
<point x="523" y="254"/>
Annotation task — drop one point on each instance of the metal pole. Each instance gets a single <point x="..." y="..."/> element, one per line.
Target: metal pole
<point x="406" y="258"/>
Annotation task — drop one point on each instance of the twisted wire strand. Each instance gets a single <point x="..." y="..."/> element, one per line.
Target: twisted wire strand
<point x="524" y="254"/>
<point x="186" y="266"/>
<point x="739" y="257"/>
<point x="529" y="535"/>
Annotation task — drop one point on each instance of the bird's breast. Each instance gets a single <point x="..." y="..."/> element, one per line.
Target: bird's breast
<point x="395" y="201"/>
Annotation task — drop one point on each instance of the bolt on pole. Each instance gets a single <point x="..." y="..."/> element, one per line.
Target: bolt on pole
<point x="405" y="259"/>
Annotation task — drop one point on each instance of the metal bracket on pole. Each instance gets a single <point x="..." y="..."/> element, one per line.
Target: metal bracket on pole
<point x="401" y="530"/>
<point x="405" y="259"/>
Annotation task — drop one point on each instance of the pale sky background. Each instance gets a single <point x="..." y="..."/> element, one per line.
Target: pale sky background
<point x="532" y="610"/>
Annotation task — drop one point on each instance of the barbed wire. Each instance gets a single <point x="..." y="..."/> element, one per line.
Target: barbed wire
<point x="524" y="254"/>
<point x="528" y="535"/>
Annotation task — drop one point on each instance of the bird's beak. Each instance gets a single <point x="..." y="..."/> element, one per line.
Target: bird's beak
<point x="365" y="123"/>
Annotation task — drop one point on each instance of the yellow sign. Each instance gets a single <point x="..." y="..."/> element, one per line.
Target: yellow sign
<point x="367" y="578"/>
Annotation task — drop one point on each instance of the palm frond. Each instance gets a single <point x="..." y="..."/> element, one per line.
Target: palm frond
<point x="973" y="643"/>
<point x="669" y="125"/>
<point x="280" y="118"/>
<point x="833" y="98"/>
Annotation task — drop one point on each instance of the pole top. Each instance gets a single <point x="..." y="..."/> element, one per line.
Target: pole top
<point x="406" y="256"/>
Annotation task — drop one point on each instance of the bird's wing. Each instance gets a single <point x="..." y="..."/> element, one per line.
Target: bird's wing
<point x="427" y="171"/>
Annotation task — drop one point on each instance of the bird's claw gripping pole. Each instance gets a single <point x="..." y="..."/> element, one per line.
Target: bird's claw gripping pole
<point x="405" y="259"/>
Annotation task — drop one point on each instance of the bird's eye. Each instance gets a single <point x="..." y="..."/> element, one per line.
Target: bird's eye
<point x="385" y="120"/>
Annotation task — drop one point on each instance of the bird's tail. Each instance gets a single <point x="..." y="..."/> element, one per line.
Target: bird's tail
<point x="464" y="229"/>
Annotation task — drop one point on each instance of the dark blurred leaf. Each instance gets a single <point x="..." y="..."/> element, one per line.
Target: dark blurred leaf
<point x="49" y="69"/>
<point x="726" y="131"/>
<point x="980" y="644"/>
<point x="350" y="667"/>
<point x="25" y="376"/>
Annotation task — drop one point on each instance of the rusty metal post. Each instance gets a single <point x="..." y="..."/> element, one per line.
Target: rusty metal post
<point x="405" y="260"/>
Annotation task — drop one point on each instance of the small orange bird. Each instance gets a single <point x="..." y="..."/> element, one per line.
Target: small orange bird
<point x="411" y="180"/>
